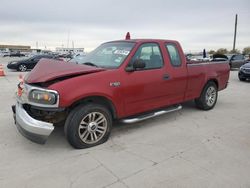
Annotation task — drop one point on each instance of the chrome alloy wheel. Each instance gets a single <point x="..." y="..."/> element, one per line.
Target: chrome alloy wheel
<point x="22" y="68"/>
<point x="211" y="95"/>
<point x="92" y="127"/>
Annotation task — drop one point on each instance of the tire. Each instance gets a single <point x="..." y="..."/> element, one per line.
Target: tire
<point x="241" y="79"/>
<point x="208" y="97"/>
<point x="82" y="129"/>
<point x="22" y="67"/>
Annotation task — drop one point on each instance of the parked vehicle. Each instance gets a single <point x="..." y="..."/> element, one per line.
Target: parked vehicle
<point x="78" y="58"/>
<point x="68" y="55"/>
<point x="4" y="53"/>
<point x="219" y="57"/>
<point x="125" y="80"/>
<point x="244" y="72"/>
<point x="27" y="64"/>
<point x="14" y="54"/>
<point x="236" y="60"/>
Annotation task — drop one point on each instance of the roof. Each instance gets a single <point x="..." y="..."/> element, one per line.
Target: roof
<point x="144" y="40"/>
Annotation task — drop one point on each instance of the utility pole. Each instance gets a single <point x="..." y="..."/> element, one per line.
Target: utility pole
<point x="68" y="39"/>
<point x="73" y="46"/>
<point x="235" y="31"/>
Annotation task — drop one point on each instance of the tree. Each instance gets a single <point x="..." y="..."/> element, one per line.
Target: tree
<point x="211" y="52"/>
<point x="246" y="50"/>
<point x="236" y="51"/>
<point x="222" y="51"/>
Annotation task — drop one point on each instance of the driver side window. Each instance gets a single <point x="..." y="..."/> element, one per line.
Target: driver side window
<point x="150" y="54"/>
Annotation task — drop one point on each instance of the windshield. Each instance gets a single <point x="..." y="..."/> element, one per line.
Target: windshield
<point x="108" y="55"/>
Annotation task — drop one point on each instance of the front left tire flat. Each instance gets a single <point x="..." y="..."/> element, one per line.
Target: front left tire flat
<point x="88" y="125"/>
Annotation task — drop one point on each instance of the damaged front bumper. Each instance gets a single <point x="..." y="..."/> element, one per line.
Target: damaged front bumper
<point x="35" y="130"/>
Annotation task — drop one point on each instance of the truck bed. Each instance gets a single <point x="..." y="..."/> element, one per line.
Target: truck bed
<point x="201" y="71"/>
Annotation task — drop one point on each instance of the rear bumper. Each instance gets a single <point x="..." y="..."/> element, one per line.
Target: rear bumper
<point x="35" y="130"/>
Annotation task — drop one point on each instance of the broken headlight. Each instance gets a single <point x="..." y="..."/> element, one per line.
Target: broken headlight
<point x="42" y="97"/>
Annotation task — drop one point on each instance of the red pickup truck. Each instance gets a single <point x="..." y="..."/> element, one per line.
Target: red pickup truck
<point x="125" y="80"/>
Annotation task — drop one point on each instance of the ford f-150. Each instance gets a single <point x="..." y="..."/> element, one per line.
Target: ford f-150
<point x="125" y="80"/>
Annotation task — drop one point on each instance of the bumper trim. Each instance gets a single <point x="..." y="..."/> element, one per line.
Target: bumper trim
<point x="35" y="130"/>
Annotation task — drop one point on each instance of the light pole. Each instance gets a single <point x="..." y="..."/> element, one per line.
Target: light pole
<point x="235" y="31"/>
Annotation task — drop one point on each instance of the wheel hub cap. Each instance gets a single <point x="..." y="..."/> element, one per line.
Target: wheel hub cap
<point x="211" y="96"/>
<point x="92" y="127"/>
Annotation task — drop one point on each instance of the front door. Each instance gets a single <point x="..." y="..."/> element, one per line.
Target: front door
<point x="144" y="89"/>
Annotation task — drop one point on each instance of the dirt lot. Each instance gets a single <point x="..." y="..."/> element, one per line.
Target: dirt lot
<point x="189" y="148"/>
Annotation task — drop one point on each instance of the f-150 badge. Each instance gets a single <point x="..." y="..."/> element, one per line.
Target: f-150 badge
<point x="115" y="84"/>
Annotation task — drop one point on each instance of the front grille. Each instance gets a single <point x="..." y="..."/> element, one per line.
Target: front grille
<point x="247" y="70"/>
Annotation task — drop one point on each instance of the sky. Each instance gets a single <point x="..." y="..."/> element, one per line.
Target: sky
<point x="196" y="24"/>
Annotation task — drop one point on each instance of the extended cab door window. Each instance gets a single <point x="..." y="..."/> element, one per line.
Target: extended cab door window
<point x="150" y="53"/>
<point x="174" y="55"/>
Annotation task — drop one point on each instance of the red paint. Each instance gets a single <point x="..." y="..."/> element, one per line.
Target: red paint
<point x="139" y="91"/>
<point x="48" y="69"/>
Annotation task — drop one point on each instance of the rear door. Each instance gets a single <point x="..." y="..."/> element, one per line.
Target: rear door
<point x="176" y="69"/>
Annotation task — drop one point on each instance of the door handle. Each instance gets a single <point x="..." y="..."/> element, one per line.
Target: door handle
<point x="166" y="77"/>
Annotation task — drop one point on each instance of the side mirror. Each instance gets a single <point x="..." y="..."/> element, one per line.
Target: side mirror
<point x="137" y="64"/>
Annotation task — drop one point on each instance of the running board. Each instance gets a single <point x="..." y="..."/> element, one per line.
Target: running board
<point x="151" y="115"/>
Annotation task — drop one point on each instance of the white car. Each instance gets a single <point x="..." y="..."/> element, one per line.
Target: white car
<point x="4" y="53"/>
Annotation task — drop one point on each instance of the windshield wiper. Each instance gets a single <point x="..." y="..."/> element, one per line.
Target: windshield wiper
<point x="90" y="64"/>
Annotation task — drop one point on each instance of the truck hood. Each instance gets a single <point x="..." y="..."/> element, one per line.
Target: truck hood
<point x="48" y="70"/>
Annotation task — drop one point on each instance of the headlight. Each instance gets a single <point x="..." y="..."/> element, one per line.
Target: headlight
<point x="13" y="62"/>
<point x="42" y="97"/>
<point x="242" y="68"/>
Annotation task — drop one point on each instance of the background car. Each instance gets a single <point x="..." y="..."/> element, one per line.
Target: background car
<point x="30" y="63"/>
<point x="14" y="54"/>
<point x="68" y="55"/>
<point x="4" y="53"/>
<point x="244" y="72"/>
<point x="236" y="60"/>
<point x="219" y="57"/>
<point x="77" y="59"/>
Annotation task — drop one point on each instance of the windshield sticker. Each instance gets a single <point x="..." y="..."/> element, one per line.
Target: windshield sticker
<point x="121" y="52"/>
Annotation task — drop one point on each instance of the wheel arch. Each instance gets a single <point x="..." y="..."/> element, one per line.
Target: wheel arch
<point x="97" y="100"/>
<point x="215" y="81"/>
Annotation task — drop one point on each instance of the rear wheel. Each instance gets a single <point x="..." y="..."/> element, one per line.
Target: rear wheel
<point x="22" y="67"/>
<point x="88" y="125"/>
<point x="208" y="97"/>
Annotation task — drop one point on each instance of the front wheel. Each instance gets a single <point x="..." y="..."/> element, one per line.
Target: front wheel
<point x="88" y="125"/>
<point x="241" y="78"/>
<point x="208" y="97"/>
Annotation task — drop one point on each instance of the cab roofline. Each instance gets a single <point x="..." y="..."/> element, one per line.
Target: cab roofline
<point x="143" y="40"/>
